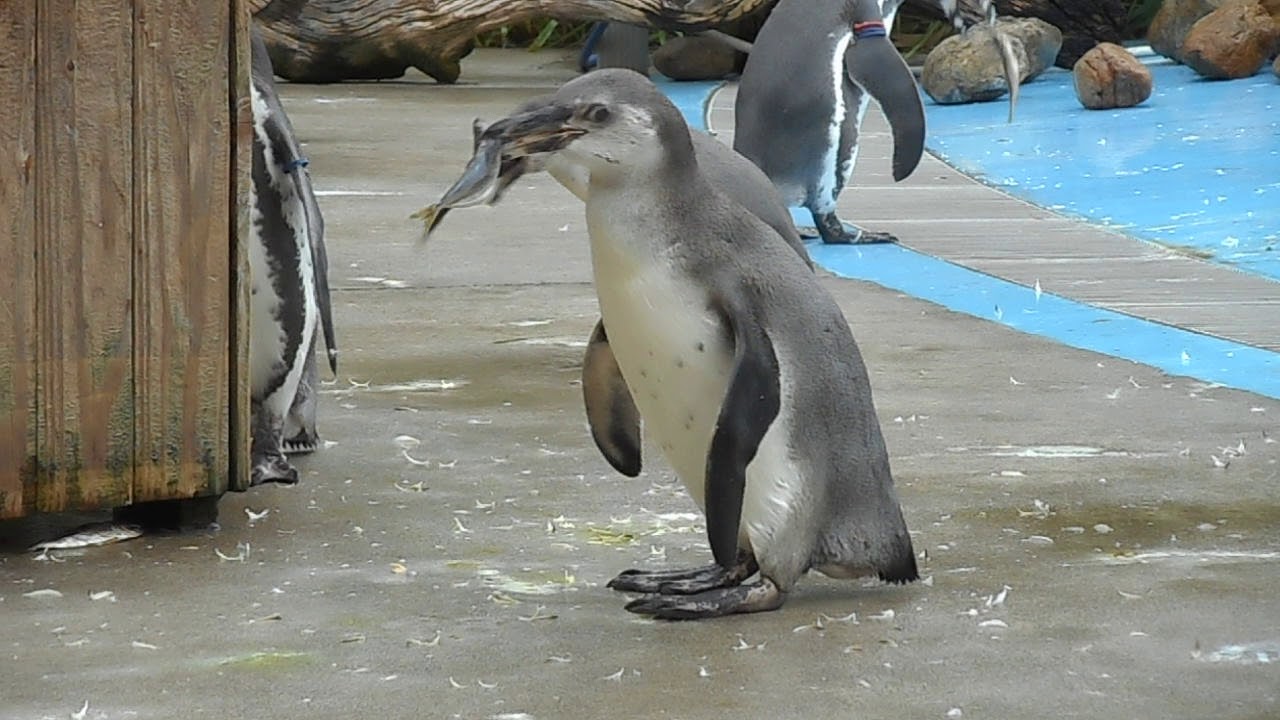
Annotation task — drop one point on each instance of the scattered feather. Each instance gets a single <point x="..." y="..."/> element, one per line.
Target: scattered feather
<point x="1219" y="462"/>
<point x="1014" y="381"/>
<point x="143" y="645"/>
<point x="413" y="459"/>
<point x="1129" y="595"/>
<point x="1038" y="290"/>
<point x="91" y="535"/>
<point x="454" y="683"/>
<point x="45" y="593"/>
<point x="608" y="536"/>
<point x="102" y="595"/>
<point x="559" y="659"/>
<point x="539" y="614"/>
<point x="433" y="642"/>
<point x="242" y="553"/>
<point x="399" y="568"/>
<point x="1186" y="358"/>
<point x="256" y="516"/>
<point x="485" y="685"/>
<point x="955" y="712"/>
<point x="993" y="623"/>
<point x="702" y="672"/>
<point x="458" y="524"/>
<point x="1135" y="383"/>
<point x="1113" y="394"/>
<point x="1102" y="529"/>
<point x="886" y="615"/>
<point x="84" y="710"/>
<point x="616" y="677"/>
<point x="1038" y="540"/>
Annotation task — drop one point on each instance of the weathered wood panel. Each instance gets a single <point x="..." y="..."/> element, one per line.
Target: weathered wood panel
<point x="17" y="248"/>
<point x="242" y="153"/>
<point x="123" y="197"/>
<point x="83" y="224"/>
<point x="182" y="270"/>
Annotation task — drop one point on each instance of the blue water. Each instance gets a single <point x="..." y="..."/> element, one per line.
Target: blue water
<point x="1197" y="165"/>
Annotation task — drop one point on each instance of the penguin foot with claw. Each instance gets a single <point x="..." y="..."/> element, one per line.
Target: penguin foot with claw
<point x="834" y="232"/>
<point x="273" y="469"/>
<point x="759" y="596"/>
<point x="685" y="582"/>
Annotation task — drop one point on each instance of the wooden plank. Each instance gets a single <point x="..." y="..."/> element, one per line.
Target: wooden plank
<point x="242" y="144"/>
<point x="182" y="267"/>
<point x="83" y="225"/>
<point x="18" y="247"/>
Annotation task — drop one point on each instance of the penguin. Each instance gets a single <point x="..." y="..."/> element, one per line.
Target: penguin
<point x="289" y="302"/>
<point x="741" y="365"/>
<point x="812" y="71"/>
<point x="615" y="45"/>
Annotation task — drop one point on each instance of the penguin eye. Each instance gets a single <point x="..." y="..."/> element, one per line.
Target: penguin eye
<point x="596" y="113"/>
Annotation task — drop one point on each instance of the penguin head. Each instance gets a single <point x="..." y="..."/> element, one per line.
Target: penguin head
<point x="610" y="122"/>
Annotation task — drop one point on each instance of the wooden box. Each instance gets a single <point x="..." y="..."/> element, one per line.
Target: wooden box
<point x="124" y="170"/>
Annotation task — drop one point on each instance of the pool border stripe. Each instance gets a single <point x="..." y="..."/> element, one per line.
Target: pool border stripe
<point x="1173" y="350"/>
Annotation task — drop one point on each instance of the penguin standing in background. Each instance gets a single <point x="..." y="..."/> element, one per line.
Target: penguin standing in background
<point x="812" y="71"/>
<point x="289" y="290"/>
<point x="615" y="45"/>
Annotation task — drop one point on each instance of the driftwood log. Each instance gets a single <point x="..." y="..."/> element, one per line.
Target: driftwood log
<point x="321" y="41"/>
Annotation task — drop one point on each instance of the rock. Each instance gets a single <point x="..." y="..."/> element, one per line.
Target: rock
<point x="1276" y="67"/>
<point x="1173" y="21"/>
<point x="1234" y="41"/>
<point x="696" y="58"/>
<point x="1108" y="76"/>
<point x="967" y="67"/>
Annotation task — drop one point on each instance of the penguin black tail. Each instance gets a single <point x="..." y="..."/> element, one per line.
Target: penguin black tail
<point x="900" y="567"/>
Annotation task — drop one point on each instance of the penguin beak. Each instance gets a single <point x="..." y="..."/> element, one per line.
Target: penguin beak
<point x="876" y="66"/>
<point x="542" y="129"/>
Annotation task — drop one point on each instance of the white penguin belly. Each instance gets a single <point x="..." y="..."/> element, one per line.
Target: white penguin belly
<point x="672" y="352"/>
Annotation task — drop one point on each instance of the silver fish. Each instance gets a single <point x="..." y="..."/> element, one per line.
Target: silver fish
<point x="1012" y="69"/>
<point x="477" y="185"/>
<point x="91" y="535"/>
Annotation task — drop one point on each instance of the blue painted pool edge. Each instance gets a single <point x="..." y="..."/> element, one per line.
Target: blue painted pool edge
<point x="1173" y="350"/>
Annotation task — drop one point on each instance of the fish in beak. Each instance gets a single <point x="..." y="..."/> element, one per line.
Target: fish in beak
<point x="500" y="157"/>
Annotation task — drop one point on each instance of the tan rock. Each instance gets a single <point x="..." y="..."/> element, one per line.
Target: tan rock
<point x="1108" y="76"/>
<point x="1233" y="41"/>
<point x="1173" y="21"/>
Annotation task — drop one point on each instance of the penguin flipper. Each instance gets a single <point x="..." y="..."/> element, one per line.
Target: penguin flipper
<point x="876" y="66"/>
<point x="319" y="264"/>
<point x="751" y="403"/>
<point x="611" y="412"/>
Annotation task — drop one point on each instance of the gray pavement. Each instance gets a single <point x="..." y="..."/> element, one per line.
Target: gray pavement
<point x="1084" y="556"/>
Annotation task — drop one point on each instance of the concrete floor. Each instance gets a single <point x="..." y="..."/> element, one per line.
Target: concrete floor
<point x="1084" y="556"/>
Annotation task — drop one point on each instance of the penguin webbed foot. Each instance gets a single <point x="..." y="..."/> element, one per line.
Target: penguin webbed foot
<point x="760" y="596"/>
<point x="273" y="468"/>
<point x="686" y="582"/>
<point x="833" y="231"/>
<point x="301" y="444"/>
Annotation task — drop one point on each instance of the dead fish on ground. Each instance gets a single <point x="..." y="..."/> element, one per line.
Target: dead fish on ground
<point x="91" y="535"/>
<point x="970" y="15"/>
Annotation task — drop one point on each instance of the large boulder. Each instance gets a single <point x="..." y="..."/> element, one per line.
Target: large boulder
<point x="1108" y="76"/>
<point x="692" y="57"/>
<point x="968" y="68"/>
<point x="1173" y="21"/>
<point x="1233" y="41"/>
